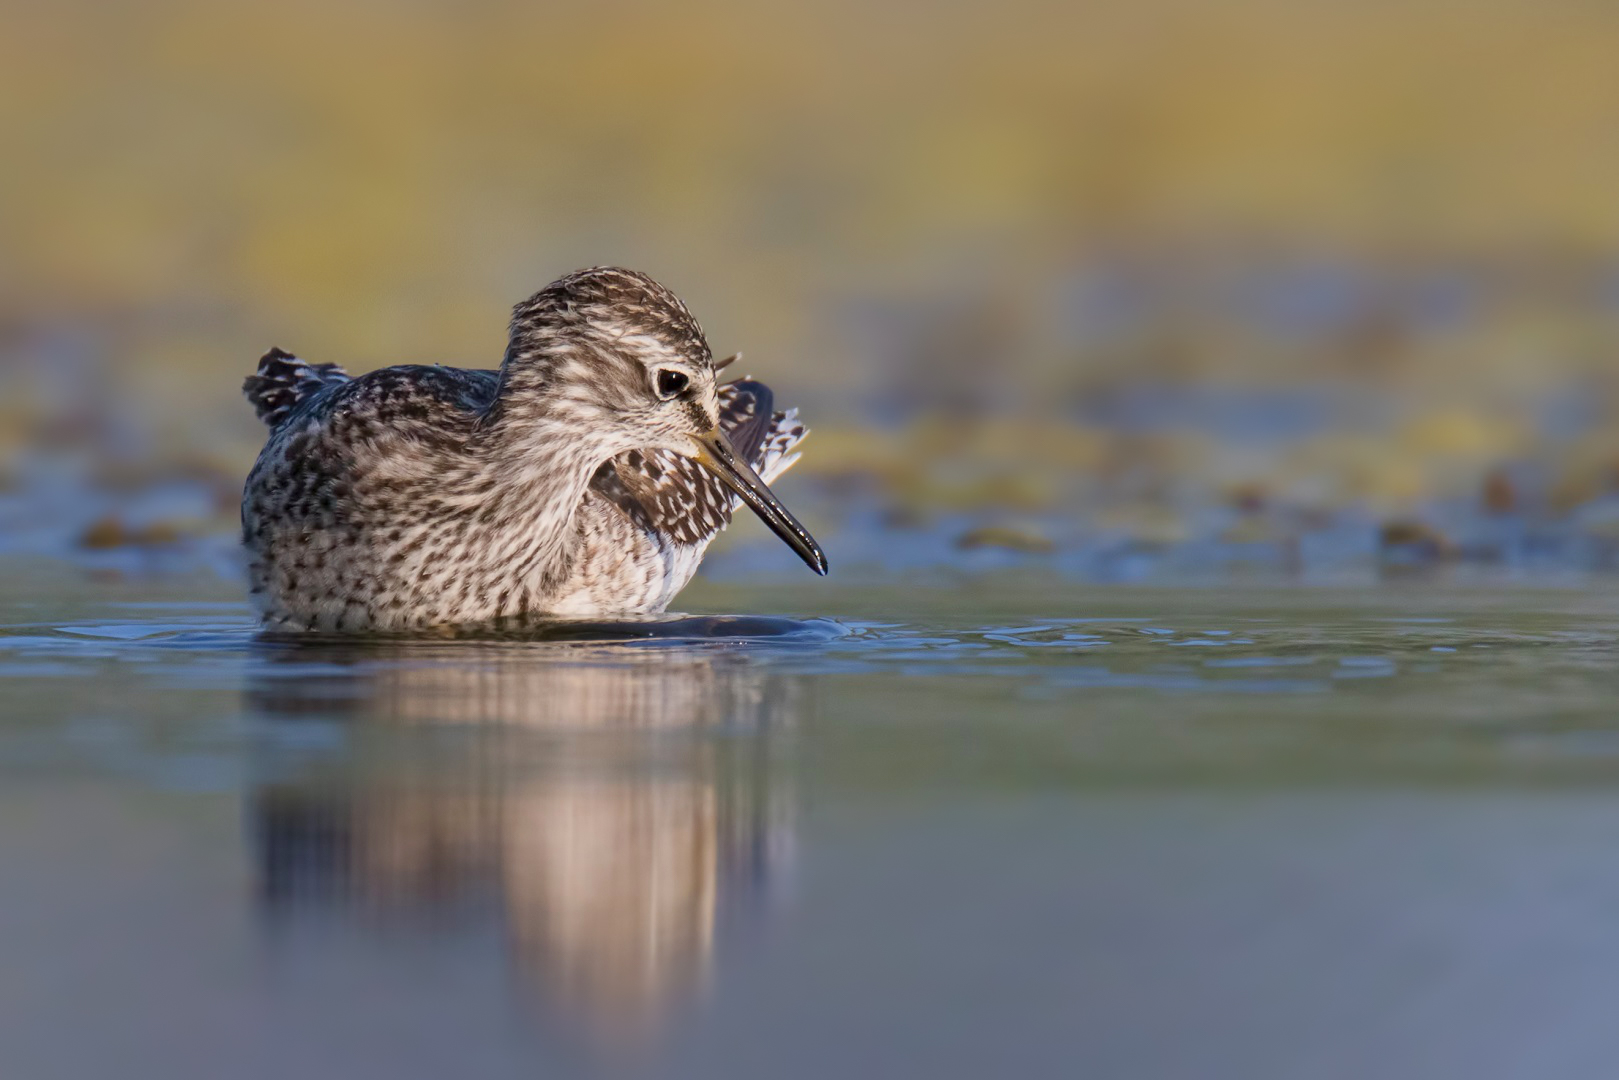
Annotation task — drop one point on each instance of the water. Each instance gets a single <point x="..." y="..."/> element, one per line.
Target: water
<point x="1011" y="828"/>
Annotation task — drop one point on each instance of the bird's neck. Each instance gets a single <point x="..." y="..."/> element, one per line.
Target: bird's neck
<point x="533" y="471"/>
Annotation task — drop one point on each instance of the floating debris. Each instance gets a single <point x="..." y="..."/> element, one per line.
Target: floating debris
<point x="111" y="532"/>
<point x="1500" y="495"/>
<point x="1413" y="543"/>
<point x="1004" y="536"/>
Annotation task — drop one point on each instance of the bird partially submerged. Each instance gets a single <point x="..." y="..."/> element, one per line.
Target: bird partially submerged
<point x="585" y="477"/>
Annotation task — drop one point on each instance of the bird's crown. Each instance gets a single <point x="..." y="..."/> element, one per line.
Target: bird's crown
<point x="608" y="304"/>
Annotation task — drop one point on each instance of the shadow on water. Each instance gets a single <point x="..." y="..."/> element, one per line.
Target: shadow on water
<point x="719" y="630"/>
<point x="611" y="807"/>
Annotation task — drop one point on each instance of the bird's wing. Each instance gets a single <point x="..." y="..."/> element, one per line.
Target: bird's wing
<point x="673" y="495"/>
<point x="285" y="385"/>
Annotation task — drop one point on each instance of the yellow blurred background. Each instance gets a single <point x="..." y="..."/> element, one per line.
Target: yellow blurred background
<point x="1326" y="253"/>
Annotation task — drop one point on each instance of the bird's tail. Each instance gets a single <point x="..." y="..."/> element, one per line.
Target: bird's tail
<point x="283" y="382"/>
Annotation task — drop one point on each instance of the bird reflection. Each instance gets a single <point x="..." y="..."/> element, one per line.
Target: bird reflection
<point x="614" y="804"/>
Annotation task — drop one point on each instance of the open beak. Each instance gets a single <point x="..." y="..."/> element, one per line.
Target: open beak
<point x="714" y="453"/>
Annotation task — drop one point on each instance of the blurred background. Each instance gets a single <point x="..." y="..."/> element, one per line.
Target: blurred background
<point x="1129" y="290"/>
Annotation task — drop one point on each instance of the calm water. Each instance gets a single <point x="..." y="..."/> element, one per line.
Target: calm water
<point x="1009" y="829"/>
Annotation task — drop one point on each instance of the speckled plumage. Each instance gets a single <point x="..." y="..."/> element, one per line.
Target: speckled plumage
<point x="415" y="496"/>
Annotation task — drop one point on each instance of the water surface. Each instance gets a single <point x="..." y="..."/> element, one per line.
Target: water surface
<point x="1007" y="828"/>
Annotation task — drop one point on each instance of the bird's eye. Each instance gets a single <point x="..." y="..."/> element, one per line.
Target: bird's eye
<point x="671" y="383"/>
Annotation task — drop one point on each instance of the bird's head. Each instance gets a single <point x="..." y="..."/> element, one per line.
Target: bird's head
<point x="612" y="353"/>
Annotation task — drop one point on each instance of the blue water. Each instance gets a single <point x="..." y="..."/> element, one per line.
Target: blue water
<point x="1014" y="827"/>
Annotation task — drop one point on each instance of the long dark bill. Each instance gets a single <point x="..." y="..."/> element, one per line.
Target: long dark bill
<point x="714" y="453"/>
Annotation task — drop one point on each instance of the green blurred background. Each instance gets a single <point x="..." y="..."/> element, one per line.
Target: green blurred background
<point x="1290" y="284"/>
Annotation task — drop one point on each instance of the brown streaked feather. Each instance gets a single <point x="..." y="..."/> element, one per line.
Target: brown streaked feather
<point x="283" y="382"/>
<point x="673" y="495"/>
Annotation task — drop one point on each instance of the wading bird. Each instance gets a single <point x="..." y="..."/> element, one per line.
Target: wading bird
<point x="586" y="476"/>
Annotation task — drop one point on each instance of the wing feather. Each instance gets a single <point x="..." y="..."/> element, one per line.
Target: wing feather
<point x="670" y="494"/>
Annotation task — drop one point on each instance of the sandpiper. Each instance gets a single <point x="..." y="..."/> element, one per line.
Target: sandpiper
<point x="586" y="476"/>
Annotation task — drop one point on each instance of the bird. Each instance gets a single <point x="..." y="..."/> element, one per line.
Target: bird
<point x="584" y="477"/>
